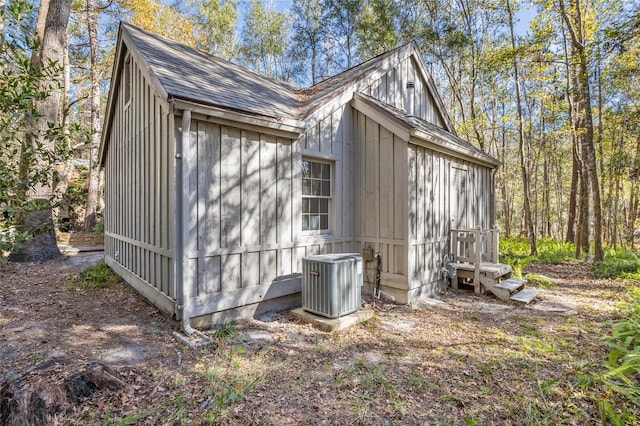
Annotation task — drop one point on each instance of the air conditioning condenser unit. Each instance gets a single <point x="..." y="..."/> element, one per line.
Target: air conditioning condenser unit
<point x="332" y="284"/>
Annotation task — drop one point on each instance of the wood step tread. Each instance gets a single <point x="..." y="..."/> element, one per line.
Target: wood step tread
<point x="525" y="296"/>
<point x="512" y="284"/>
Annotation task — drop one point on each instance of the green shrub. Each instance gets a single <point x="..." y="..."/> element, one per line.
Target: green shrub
<point x="620" y="263"/>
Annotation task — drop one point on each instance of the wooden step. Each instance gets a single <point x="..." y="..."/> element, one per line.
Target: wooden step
<point x="525" y="296"/>
<point x="512" y="284"/>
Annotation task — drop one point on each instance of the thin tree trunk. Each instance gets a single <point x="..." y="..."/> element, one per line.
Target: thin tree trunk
<point x="94" y="168"/>
<point x="528" y="222"/>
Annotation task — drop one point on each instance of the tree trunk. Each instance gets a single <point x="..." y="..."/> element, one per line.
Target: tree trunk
<point x="528" y="222"/>
<point x="38" y="221"/>
<point x="584" y="119"/>
<point x="94" y="168"/>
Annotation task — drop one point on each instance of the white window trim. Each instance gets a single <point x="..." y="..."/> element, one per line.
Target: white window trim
<point x="331" y="210"/>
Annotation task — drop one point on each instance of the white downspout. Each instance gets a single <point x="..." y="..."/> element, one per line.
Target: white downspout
<point x="183" y="275"/>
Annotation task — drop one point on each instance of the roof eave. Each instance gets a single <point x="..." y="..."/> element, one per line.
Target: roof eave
<point x="446" y="147"/>
<point x="395" y="126"/>
<point x="289" y="127"/>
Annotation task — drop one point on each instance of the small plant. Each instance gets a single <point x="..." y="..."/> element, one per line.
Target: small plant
<point x="225" y="332"/>
<point x="99" y="228"/>
<point x="99" y="276"/>
<point x="540" y="280"/>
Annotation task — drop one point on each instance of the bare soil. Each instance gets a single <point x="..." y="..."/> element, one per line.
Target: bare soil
<point x="460" y="359"/>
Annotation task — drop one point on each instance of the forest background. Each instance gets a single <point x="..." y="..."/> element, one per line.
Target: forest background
<point x="549" y="87"/>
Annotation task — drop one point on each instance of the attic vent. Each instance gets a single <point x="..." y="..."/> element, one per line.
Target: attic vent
<point x="410" y="98"/>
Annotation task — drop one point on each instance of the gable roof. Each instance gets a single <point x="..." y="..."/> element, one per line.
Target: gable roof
<point x="182" y="73"/>
<point x="359" y="77"/>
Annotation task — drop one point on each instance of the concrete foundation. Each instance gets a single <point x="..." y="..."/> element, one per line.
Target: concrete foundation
<point x="333" y="324"/>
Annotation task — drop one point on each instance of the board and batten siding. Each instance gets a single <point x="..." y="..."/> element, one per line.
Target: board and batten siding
<point x="329" y="140"/>
<point x="245" y="242"/>
<point x="444" y="192"/>
<point x="380" y="206"/>
<point x="139" y="213"/>
<point x="391" y="89"/>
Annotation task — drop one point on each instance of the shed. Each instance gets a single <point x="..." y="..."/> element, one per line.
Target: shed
<point x="219" y="180"/>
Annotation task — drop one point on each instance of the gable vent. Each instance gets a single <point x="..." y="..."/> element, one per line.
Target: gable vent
<point x="410" y="98"/>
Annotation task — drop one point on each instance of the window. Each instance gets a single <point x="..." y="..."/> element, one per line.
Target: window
<point x="316" y="195"/>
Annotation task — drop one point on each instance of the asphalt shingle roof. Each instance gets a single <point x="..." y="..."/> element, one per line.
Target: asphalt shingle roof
<point x="186" y="73"/>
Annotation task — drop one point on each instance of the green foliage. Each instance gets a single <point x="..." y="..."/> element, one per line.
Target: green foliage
<point x="540" y="280"/>
<point x="99" y="228"/>
<point x="554" y="252"/>
<point x="620" y="263"/>
<point x="515" y="251"/>
<point x="621" y="376"/>
<point x="225" y="332"/>
<point x="25" y="160"/>
<point x="99" y="276"/>
<point x="264" y="40"/>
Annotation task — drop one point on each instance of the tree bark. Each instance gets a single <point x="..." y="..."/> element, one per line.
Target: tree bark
<point x="90" y="218"/>
<point x="584" y="119"/>
<point x="38" y="220"/>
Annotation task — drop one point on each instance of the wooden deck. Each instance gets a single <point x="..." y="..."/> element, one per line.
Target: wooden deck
<point x="475" y="252"/>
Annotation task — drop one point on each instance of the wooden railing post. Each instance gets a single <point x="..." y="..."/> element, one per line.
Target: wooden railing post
<point x="453" y="244"/>
<point x="495" y="241"/>
<point x="477" y="255"/>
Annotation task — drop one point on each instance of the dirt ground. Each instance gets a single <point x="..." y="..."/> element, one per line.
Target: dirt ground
<point x="460" y="359"/>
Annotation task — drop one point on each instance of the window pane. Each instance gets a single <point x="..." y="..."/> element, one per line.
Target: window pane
<point x="315" y="208"/>
<point x="306" y="169"/>
<point x="306" y="187"/>
<point x="316" y="170"/>
<point x="326" y="171"/>
<point x="324" y="222"/>
<point x="305" y="222"/>
<point x="324" y="205"/>
<point x="315" y="187"/>
<point x="314" y="223"/>
<point x="326" y="188"/>
<point x="305" y="205"/>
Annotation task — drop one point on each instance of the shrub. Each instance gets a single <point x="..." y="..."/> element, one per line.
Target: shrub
<point x="620" y="263"/>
